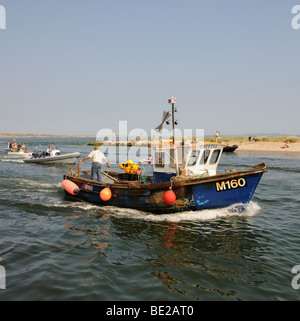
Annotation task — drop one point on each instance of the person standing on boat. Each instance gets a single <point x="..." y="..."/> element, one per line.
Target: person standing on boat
<point x="97" y="158"/>
<point x="49" y="149"/>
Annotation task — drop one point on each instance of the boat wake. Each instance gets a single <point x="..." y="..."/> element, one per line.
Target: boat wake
<point x="128" y="213"/>
<point x="90" y="208"/>
<point x="28" y="184"/>
<point x="11" y="160"/>
<point x="188" y="216"/>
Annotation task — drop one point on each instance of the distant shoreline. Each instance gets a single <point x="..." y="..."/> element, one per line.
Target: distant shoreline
<point x="243" y="146"/>
<point x="263" y="144"/>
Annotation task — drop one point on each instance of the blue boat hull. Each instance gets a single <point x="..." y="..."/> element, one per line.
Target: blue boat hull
<point x="225" y="192"/>
<point x="192" y="194"/>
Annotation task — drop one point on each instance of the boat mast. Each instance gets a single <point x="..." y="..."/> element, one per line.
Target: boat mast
<point x="173" y="101"/>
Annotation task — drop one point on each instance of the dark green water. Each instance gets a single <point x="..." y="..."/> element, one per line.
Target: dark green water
<point x="53" y="248"/>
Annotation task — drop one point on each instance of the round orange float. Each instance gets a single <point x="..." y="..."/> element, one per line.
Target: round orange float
<point x="169" y="197"/>
<point x="70" y="187"/>
<point x="105" y="194"/>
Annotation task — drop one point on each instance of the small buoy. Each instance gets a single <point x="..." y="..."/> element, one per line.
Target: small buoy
<point x="169" y="197"/>
<point x="70" y="187"/>
<point x="105" y="194"/>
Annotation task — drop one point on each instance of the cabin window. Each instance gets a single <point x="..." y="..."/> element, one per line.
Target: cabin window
<point x="193" y="158"/>
<point x="215" y="156"/>
<point x="159" y="159"/>
<point x="204" y="156"/>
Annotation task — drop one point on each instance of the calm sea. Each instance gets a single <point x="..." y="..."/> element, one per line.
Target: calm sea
<point x="54" y="248"/>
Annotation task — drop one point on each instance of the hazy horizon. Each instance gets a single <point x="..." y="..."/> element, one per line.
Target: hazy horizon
<point x="73" y="68"/>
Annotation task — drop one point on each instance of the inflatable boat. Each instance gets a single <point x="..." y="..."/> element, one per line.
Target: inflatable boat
<point x="55" y="157"/>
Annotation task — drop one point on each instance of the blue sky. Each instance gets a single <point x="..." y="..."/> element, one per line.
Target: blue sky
<point x="75" y="67"/>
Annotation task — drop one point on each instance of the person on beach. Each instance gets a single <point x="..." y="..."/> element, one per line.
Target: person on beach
<point x="97" y="158"/>
<point x="286" y="145"/>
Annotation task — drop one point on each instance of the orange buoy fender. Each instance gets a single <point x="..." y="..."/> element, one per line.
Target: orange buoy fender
<point x="169" y="197"/>
<point x="70" y="187"/>
<point x="105" y="194"/>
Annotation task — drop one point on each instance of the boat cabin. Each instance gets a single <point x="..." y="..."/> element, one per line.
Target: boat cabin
<point x="187" y="160"/>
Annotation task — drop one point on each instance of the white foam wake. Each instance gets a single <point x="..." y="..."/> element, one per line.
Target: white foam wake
<point x="191" y="216"/>
<point x="188" y="216"/>
<point x="12" y="160"/>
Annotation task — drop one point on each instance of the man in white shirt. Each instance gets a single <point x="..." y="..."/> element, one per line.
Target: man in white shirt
<point x="49" y="150"/>
<point x="97" y="158"/>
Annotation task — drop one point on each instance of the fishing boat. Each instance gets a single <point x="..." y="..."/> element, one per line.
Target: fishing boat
<point x="54" y="157"/>
<point x="184" y="178"/>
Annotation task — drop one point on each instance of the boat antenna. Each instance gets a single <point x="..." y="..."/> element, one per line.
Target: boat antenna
<point x="173" y="101"/>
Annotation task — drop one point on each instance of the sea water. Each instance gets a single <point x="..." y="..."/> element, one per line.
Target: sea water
<point x="56" y="248"/>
